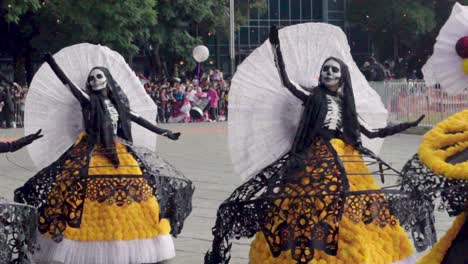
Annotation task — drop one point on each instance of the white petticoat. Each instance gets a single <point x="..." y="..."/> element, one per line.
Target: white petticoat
<point x="136" y="251"/>
<point x="409" y="260"/>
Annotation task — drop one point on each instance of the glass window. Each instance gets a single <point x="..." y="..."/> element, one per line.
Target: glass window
<point x="284" y="9"/>
<point x="264" y="31"/>
<point x="335" y="5"/>
<point x="296" y="9"/>
<point x="264" y="23"/>
<point x="306" y="10"/>
<point x="253" y="36"/>
<point x="244" y="35"/>
<point x="339" y="23"/>
<point x="336" y="15"/>
<point x="317" y="9"/>
<point x="274" y="9"/>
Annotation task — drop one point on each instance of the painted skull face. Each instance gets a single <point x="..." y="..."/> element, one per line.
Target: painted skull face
<point x="97" y="80"/>
<point x="331" y="74"/>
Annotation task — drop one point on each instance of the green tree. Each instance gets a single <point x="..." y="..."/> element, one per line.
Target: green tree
<point x="400" y="22"/>
<point x="117" y="24"/>
<point x="183" y="24"/>
<point x="35" y="27"/>
<point x="16" y="34"/>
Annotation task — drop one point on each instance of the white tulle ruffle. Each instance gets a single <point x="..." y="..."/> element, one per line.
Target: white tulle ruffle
<point x="409" y="260"/>
<point x="138" y="251"/>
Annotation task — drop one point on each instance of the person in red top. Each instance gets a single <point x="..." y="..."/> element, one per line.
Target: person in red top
<point x="213" y="96"/>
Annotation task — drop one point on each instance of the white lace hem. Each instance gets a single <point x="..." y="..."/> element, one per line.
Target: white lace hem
<point x="409" y="260"/>
<point x="136" y="251"/>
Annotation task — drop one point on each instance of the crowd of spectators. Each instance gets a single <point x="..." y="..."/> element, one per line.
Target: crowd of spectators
<point x="175" y="98"/>
<point x="375" y="71"/>
<point x="12" y="106"/>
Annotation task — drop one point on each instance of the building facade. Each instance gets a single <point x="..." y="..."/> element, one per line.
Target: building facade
<point x="278" y="12"/>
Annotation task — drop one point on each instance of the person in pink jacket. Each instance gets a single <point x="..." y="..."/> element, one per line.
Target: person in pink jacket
<point x="213" y="96"/>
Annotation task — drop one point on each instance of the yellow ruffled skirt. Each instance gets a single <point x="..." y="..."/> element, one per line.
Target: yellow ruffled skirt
<point x="119" y="218"/>
<point x="357" y="242"/>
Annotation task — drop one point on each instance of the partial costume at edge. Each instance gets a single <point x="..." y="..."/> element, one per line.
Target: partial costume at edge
<point x="439" y="171"/>
<point x="105" y="200"/>
<point x="17" y="221"/>
<point x="319" y="202"/>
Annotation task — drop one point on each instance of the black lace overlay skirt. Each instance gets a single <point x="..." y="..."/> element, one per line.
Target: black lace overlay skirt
<point x="59" y="190"/>
<point x="298" y="202"/>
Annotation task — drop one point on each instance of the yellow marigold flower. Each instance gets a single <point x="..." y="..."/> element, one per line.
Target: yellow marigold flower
<point x="444" y="140"/>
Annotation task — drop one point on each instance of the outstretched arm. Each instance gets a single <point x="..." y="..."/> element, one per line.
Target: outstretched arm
<point x="148" y="125"/>
<point x="82" y="97"/>
<point x="18" y="144"/>
<point x="390" y="130"/>
<point x="275" y="44"/>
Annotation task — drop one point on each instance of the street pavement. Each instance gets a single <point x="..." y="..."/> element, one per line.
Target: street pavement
<point x="202" y="155"/>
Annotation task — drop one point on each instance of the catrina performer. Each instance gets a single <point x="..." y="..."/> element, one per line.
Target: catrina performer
<point x="105" y="200"/>
<point x="439" y="172"/>
<point x="318" y="203"/>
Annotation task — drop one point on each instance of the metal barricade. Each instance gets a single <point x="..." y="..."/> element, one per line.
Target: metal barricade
<point x="407" y="100"/>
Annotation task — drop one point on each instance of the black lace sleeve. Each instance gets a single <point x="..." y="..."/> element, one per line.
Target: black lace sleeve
<point x="274" y="40"/>
<point x="79" y="94"/>
<point x="389" y="130"/>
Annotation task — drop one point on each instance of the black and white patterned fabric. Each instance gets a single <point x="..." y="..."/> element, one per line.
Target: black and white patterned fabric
<point x="333" y="119"/>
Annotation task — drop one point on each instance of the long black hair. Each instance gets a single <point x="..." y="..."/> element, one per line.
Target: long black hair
<point x="97" y="121"/>
<point x="315" y="111"/>
<point x="350" y="121"/>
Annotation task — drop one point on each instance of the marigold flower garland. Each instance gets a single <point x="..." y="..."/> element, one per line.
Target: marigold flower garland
<point x="444" y="140"/>
<point x="436" y="255"/>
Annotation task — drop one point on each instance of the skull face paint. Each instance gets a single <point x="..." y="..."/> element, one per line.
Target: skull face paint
<point x="97" y="80"/>
<point x="331" y="74"/>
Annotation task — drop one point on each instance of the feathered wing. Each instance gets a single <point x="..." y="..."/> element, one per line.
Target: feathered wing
<point x="446" y="60"/>
<point x="264" y="115"/>
<point x="50" y="105"/>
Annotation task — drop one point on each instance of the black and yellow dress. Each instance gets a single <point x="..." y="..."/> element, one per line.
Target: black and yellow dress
<point x="440" y="170"/>
<point x="104" y="200"/>
<point x="319" y="203"/>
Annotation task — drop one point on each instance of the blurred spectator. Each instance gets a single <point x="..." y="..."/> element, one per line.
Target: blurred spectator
<point x="213" y="97"/>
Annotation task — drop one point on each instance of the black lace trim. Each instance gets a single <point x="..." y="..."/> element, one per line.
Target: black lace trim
<point x="425" y="188"/>
<point x="18" y="225"/>
<point x="59" y="190"/>
<point x="297" y="203"/>
<point x="118" y="190"/>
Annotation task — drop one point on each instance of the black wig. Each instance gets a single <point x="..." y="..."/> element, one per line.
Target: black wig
<point x="97" y="121"/>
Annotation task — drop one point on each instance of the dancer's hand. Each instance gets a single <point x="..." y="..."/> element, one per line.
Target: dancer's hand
<point x="173" y="136"/>
<point x="416" y="123"/>
<point x="274" y="37"/>
<point x="15" y="145"/>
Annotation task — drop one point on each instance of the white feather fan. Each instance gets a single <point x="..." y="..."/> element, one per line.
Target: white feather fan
<point x="264" y="115"/>
<point x="50" y="105"/>
<point x="446" y="60"/>
<point x="429" y="72"/>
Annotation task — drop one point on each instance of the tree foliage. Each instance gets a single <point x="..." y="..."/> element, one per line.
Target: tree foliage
<point x="402" y="22"/>
<point x="117" y="24"/>
<point x="31" y="27"/>
<point x="183" y="24"/>
<point x="402" y="28"/>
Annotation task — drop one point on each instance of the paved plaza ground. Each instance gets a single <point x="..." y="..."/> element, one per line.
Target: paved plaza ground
<point x="202" y="155"/>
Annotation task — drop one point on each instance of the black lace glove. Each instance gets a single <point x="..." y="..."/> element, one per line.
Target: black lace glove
<point x="173" y="136"/>
<point x="390" y="130"/>
<point x="15" y="145"/>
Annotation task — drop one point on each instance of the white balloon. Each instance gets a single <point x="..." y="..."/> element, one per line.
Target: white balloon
<point x="200" y="53"/>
